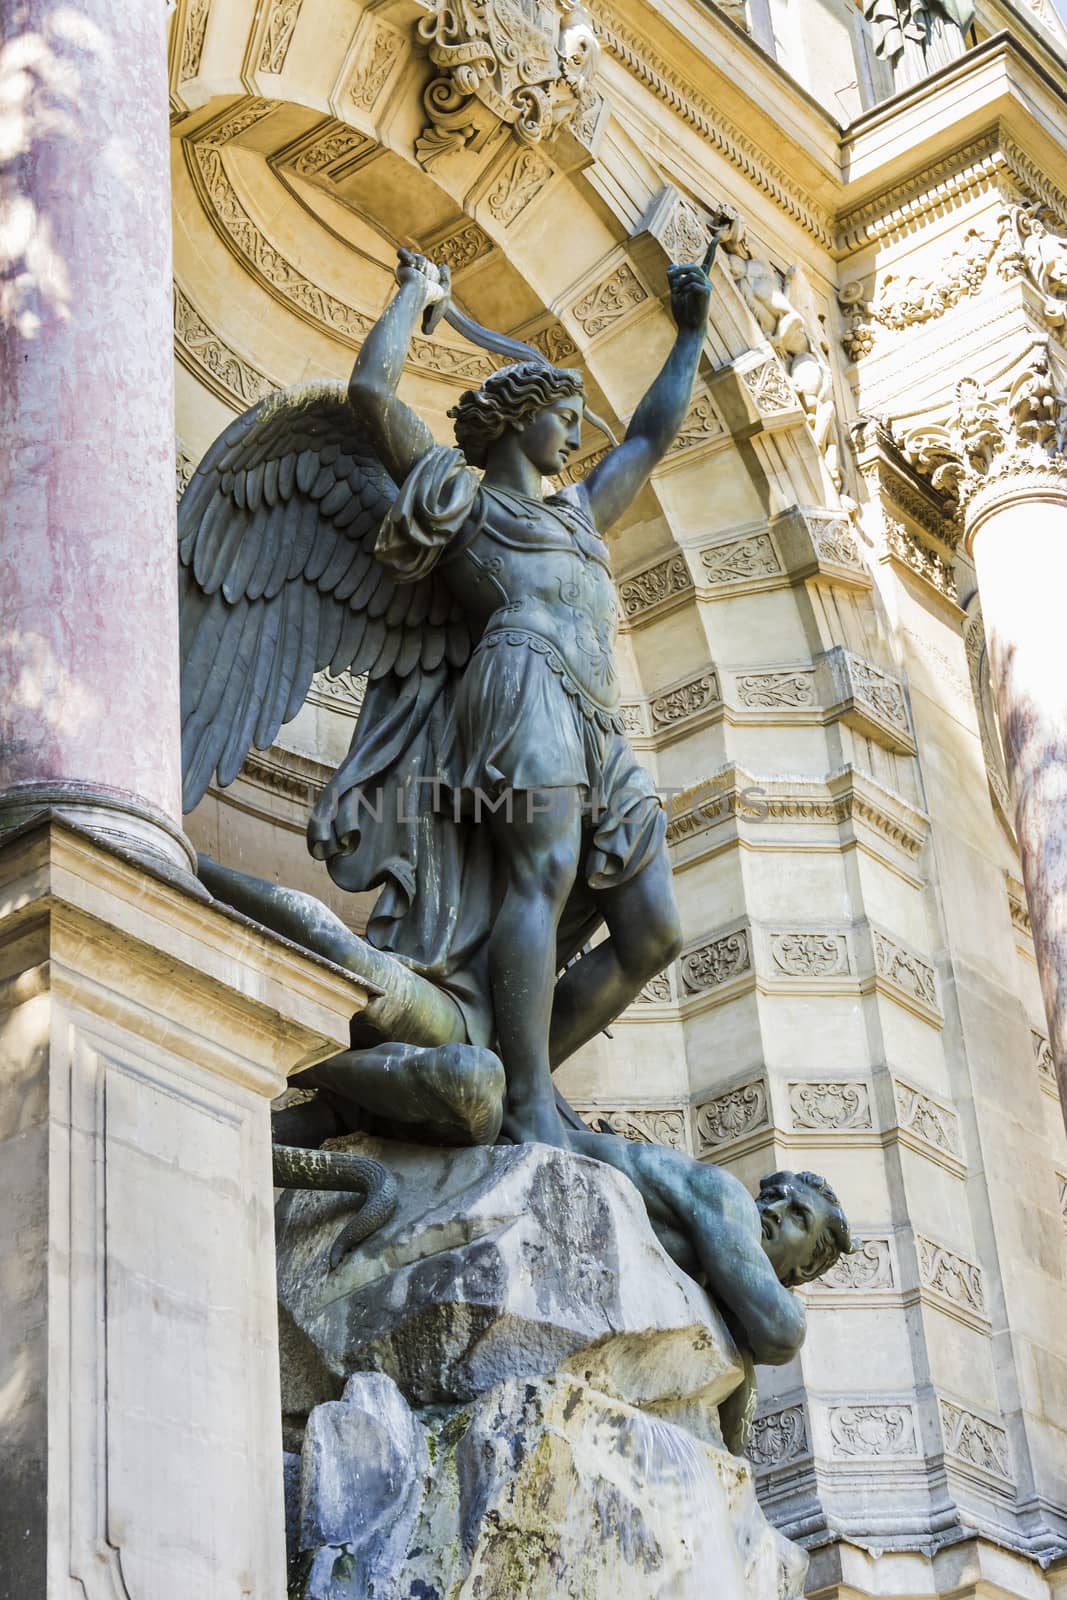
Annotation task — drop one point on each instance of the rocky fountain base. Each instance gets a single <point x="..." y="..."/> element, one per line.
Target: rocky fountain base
<point x="509" y="1392"/>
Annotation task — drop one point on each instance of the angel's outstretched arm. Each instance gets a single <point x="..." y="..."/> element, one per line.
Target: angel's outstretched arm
<point x="613" y="484"/>
<point x="399" y="434"/>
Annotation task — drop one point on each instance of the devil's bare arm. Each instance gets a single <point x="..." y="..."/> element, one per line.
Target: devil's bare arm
<point x="399" y="434"/>
<point x="614" y="483"/>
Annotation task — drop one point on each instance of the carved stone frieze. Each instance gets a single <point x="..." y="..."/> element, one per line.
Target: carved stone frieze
<point x="343" y="694"/>
<point x="461" y="247"/>
<point x="377" y="53"/>
<point x="557" y="346"/>
<point x="700" y="424"/>
<point x="716" y="963"/>
<point x="633" y="716"/>
<point x="951" y="1275"/>
<point x="926" y="1120"/>
<point x="679" y="228"/>
<point x="656" y="992"/>
<point x="926" y="564"/>
<point x="620" y="292"/>
<point x="769" y="386"/>
<point x="810" y="955"/>
<point x="184" y="467"/>
<point x="663" y="581"/>
<point x="286" y="282"/>
<point x="820" y="542"/>
<point x="832" y="1105"/>
<point x="193" y="36"/>
<point x="685" y="701"/>
<point x="871" y="1431"/>
<point x="974" y="1440"/>
<point x="732" y="1116"/>
<point x="868" y="1268"/>
<point x="878" y="689"/>
<point x="1023" y="242"/>
<point x="904" y="970"/>
<point x="991" y="437"/>
<point x="521" y="181"/>
<point x="528" y="65"/>
<point x="778" y="1438"/>
<point x="641" y="1126"/>
<point x="739" y="559"/>
<point x="1044" y="1060"/>
<point x="202" y="349"/>
<point x="869" y="697"/>
<point x="767" y="690"/>
<point x="337" y="144"/>
<point x="278" y="30"/>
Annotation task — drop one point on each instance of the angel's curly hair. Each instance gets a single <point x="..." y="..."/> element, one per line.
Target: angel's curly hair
<point x="505" y="400"/>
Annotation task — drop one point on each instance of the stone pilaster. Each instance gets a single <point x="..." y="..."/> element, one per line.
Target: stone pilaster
<point x="88" y="586"/>
<point x="144" y="1034"/>
<point x="1002" y="454"/>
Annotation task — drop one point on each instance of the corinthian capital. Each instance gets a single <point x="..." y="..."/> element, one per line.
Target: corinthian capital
<point x="993" y="436"/>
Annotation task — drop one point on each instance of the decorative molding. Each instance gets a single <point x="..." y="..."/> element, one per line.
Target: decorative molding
<point x="557" y="346"/>
<point x="868" y="1269"/>
<point x="732" y="1116"/>
<point x="1018" y="906"/>
<point x="282" y="18"/>
<point x="667" y="1127"/>
<point x="679" y="228"/>
<point x="872" y="1430"/>
<point x="768" y="384"/>
<point x="975" y="1441"/>
<point x="820" y="543"/>
<point x="837" y="1105"/>
<point x="869" y="698"/>
<point x="778" y="1438"/>
<point x="903" y="970"/>
<point x="522" y="180"/>
<point x="530" y="68"/>
<point x="633" y="51"/>
<point x="665" y="580"/>
<point x="377" y="54"/>
<point x="602" y="306"/>
<point x="739" y="560"/>
<point x="716" y="963"/>
<point x="205" y="354"/>
<point x="953" y="1277"/>
<point x="933" y="1125"/>
<point x="762" y="691"/>
<point x="810" y="955"/>
<point x="656" y="992"/>
<point x="283" y="280"/>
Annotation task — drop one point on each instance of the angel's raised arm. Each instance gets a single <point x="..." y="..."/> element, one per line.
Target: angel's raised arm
<point x="399" y="434"/>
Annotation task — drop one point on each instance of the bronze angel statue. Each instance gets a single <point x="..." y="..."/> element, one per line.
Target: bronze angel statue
<point x="489" y="793"/>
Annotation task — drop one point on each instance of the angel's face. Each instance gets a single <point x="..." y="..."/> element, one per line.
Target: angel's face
<point x="553" y="434"/>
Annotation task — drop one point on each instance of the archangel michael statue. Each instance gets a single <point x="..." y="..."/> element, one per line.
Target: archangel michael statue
<point x="489" y="792"/>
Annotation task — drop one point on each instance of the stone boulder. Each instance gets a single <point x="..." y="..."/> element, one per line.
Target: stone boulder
<point x="499" y="1263"/>
<point x="510" y="1392"/>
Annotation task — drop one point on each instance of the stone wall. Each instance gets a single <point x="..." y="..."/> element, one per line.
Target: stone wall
<point x="802" y="650"/>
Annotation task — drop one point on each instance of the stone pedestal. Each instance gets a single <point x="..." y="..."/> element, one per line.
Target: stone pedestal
<point x="88" y="583"/>
<point x="143" y="1036"/>
<point x="510" y="1390"/>
<point x="1016" y="530"/>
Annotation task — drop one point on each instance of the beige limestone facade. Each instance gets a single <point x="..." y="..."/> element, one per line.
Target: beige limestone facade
<point x="842" y="646"/>
<point x="808" y="675"/>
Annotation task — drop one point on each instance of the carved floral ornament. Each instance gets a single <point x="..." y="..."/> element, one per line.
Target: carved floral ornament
<point x="992" y="436"/>
<point x="1025" y="242"/>
<point x="528" y="63"/>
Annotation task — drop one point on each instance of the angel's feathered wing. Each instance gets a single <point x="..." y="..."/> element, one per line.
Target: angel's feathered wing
<point x="279" y="580"/>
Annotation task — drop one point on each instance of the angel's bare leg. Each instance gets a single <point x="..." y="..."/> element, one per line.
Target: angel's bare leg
<point x="644" y="937"/>
<point x="539" y="851"/>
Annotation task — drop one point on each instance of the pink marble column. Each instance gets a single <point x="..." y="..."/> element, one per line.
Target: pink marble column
<point x="1016" y="531"/>
<point x="88" y="590"/>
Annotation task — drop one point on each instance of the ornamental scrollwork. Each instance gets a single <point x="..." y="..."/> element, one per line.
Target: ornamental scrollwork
<point x="530" y="66"/>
